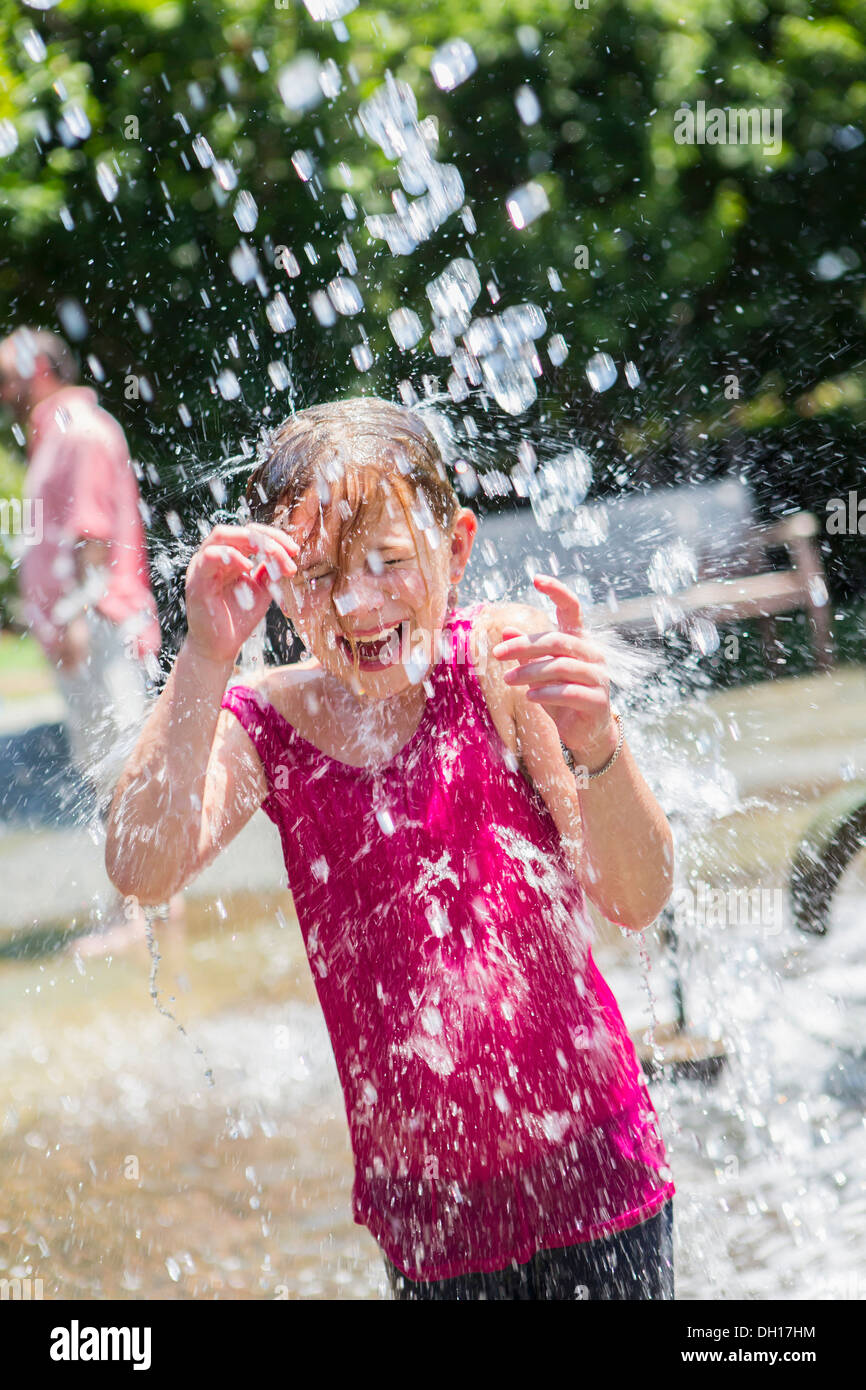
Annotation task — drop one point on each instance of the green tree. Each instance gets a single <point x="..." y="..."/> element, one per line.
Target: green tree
<point x="731" y="277"/>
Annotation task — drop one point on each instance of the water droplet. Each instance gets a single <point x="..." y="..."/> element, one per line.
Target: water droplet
<point x="243" y="263"/>
<point x="329" y="10"/>
<point x="510" y="383"/>
<point x="33" y="46"/>
<point x="279" y="375"/>
<point x="526" y="204"/>
<point x="203" y="152"/>
<point x="453" y="293"/>
<point x="362" y="357"/>
<point x="72" y="318"/>
<point x="246" y="212"/>
<point x="107" y="181"/>
<point x="600" y="371"/>
<point x="557" y="489"/>
<point x="303" y="164"/>
<point x="452" y="63"/>
<point x="557" y="349"/>
<point x="298" y="83"/>
<point x="672" y="567"/>
<point x="228" y="385"/>
<point x="225" y="174"/>
<point x="632" y="375"/>
<point x="345" y="295"/>
<point x="833" y="264"/>
<point x="346" y="603"/>
<point x="330" y="80"/>
<point x="519" y="323"/>
<point x="323" y="309"/>
<point x="528" y="105"/>
<point x="74" y="124"/>
<point x="406" y="328"/>
<point x="386" y="824"/>
<point x="279" y="314"/>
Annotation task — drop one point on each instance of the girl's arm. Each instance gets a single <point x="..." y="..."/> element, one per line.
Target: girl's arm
<point x="194" y="778"/>
<point x="615" y="829"/>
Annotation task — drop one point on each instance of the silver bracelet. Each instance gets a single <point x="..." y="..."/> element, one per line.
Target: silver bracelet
<point x="569" y="756"/>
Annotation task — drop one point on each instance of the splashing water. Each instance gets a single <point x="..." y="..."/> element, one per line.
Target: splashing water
<point x="767" y="1163"/>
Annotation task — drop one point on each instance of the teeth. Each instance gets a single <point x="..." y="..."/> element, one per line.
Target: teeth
<point x="379" y="637"/>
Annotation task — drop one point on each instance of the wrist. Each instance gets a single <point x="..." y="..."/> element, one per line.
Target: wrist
<point x="598" y="758"/>
<point x="593" y="756"/>
<point x="204" y="662"/>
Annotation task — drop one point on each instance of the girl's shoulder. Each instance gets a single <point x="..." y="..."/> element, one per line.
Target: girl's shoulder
<point x="491" y="619"/>
<point x="288" y="688"/>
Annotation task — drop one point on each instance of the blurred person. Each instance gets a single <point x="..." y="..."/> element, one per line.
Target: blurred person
<point x="85" y="584"/>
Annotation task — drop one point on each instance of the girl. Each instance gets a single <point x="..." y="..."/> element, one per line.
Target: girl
<point x="421" y="769"/>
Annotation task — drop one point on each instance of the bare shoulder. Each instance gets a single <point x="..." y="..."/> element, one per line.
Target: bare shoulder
<point x="234" y="750"/>
<point x="288" y="688"/>
<point x="495" y="617"/>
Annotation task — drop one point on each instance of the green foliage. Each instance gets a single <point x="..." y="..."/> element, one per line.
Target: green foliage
<point x="703" y="259"/>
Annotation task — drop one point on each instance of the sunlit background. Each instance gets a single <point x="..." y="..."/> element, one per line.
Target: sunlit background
<point x="233" y="211"/>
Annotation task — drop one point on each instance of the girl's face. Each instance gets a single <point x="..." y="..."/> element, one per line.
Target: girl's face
<point x="372" y="614"/>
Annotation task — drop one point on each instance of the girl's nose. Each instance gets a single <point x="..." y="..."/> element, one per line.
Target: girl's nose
<point x="358" y="593"/>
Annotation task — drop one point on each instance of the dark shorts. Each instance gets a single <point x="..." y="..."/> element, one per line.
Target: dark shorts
<point x="628" y="1265"/>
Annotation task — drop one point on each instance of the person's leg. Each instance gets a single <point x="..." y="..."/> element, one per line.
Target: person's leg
<point x="628" y="1265"/>
<point x="502" y="1284"/>
<point x="107" y="701"/>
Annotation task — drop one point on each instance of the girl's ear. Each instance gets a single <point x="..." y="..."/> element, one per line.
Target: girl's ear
<point x="463" y="533"/>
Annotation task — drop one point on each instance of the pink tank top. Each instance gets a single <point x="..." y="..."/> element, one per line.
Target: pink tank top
<point x="495" y="1103"/>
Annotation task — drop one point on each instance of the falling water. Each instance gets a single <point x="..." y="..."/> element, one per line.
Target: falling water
<point x="203" y="1143"/>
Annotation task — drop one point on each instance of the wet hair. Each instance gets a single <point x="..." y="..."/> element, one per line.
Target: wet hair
<point x="353" y="453"/>
<point x="38" y="342"/>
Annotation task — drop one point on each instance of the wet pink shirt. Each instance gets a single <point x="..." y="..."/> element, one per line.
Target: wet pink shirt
<point x="495" y="1103"/>
<point x="80" y="471"/>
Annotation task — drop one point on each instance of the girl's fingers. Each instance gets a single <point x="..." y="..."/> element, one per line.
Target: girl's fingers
<point x="528" y="646"/>
<point x="553" y="670"/>
<point x="571" y="696"/>
<point x="222" y="566"/>
<point x="221" y="562"/>
<point x="263" y="541"/>
<point x="569" y="614"/>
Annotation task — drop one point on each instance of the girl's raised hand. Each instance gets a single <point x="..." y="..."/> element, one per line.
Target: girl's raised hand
<point x="564" y="672"/>
<point x="230" y="583"/>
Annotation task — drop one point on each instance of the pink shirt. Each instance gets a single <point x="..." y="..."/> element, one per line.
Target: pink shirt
<point x="495" y="1103"/>
<point x="81" y="475"/>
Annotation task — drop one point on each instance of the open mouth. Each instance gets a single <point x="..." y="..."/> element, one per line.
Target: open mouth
<point x="374" y="653"/>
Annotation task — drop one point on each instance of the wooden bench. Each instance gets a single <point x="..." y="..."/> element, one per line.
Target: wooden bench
<point x="649" y="562"/>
